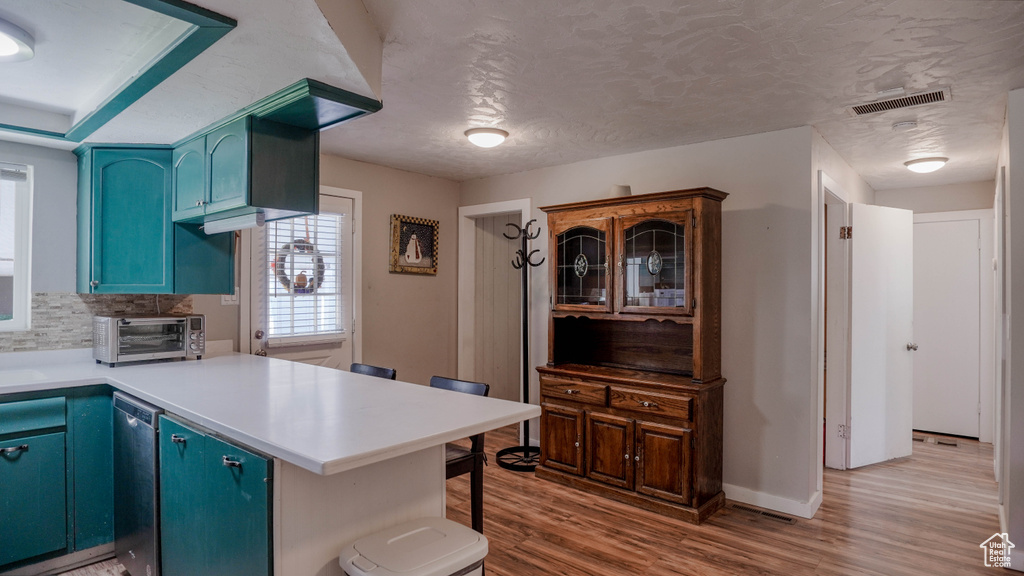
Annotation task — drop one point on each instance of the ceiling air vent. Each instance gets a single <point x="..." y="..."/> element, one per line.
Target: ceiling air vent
<point x="919" y="99"/>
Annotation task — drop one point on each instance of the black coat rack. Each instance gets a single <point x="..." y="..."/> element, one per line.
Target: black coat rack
<point x="523" y="458"/>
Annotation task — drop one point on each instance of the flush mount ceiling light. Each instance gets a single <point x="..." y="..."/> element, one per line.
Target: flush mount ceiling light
<point x="15" y="44"/>
<point x="486" y="137"/>
<point x="925" y="165"/>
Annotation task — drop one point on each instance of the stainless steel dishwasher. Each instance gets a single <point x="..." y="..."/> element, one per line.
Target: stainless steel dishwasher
<point x="136" y="486"/>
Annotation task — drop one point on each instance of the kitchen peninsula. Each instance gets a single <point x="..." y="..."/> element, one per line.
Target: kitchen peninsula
<point x="351" y="454"/>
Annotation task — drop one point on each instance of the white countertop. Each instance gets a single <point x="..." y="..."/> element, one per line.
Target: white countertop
<point x="320" y="419"/>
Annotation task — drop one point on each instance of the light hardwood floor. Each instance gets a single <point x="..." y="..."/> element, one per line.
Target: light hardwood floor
<point x="926" y="514"/>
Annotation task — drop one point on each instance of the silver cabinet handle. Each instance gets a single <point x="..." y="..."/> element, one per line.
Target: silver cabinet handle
<point x="199" y="202"/>
<point x="647" y="404"/>
<point x="570" y="391"/>
<point x="227" y="461"/>
<point x="911" y="346"/>
<point x="637" y="458"/>
<point x="577" y="444"/>
<point x="14" y="449"/>
<point x="94" y="283"/>
<point x="177" y="439"/>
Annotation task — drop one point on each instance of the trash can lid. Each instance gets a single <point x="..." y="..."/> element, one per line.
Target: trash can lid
<point x="422" y="547"/>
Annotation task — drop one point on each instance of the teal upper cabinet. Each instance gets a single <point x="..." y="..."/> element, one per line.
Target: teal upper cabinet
<point x="249" y="165"/>
<point x="127" y="243"/>
<point x="189" y="161"/>
<point x="124" y="236"/>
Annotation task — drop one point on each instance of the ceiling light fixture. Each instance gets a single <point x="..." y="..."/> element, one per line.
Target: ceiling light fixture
<point x="15" y="44"/>
<point x="925" y="165"/>
<point x="486" y="137"/>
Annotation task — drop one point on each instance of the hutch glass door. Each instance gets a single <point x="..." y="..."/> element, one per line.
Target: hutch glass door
<point x="581" y="270"/>
<point x="654" y="264"/>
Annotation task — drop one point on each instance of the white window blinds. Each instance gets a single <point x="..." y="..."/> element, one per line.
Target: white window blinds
<point x="303" y="266"/>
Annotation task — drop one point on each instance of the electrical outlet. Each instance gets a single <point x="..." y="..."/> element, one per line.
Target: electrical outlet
<point x="229" y="299"/>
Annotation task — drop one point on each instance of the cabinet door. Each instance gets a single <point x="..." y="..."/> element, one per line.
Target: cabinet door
<point x="183" y="511"/>
<point x="227" y="164"/>
<point x="132" y="238"/>
<point x="91" y="449"/>
<point x="561" y="444"/>
<point x="238" y="524"/>
<point x="190" y="188"/>
<point x="664" y="467"/>
<point x="581" y="253"/>
<point x="653" y="272"/>
<point x="609" y="446"/>
<point x="33" y="497"/>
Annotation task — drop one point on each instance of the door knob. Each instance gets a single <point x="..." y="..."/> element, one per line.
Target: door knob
<point x="258" y="335"/>
<point x="911" y="346"/>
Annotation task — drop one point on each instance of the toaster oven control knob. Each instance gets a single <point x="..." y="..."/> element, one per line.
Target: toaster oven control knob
<point x="192" y="335"/>
<point x="194" y="346"/>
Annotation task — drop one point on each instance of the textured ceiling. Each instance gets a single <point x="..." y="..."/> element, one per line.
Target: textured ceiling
<point x="104" y="42"/>
<point x="579" y="80"/>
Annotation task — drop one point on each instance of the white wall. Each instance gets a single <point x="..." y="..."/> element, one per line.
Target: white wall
<point x="53" y="219"/>
<point x="948" y="198"/>
<point x="1012" y="485"/>
<point x="409" y="320"/>
<point x="768" y="292"/>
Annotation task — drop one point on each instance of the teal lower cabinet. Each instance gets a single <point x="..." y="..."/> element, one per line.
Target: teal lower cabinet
<point x="215" y="510"/>
<point x="33" y="504"/>
<point x="56" y="474"/>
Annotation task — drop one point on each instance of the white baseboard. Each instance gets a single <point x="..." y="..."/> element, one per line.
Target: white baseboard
<point x="772" y="502"/>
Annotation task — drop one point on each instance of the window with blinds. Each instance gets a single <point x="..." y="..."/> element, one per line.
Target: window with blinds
<point x="303" y="266"/>
<point x="15" y="246"/>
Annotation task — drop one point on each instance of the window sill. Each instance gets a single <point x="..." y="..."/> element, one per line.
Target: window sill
<point x="321" y="339"/>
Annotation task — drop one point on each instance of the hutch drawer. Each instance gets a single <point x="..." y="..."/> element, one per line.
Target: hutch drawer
<point x="583" y="392"/>
<point x="679" y="407"/>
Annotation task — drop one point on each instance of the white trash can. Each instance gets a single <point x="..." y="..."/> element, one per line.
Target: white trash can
<point x="422" y="547"/>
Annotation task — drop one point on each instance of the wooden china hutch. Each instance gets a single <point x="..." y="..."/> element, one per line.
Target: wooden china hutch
<point x="631" y="396"/>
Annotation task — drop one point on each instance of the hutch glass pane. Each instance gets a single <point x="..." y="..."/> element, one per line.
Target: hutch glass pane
<point x="655" y="264"/>
<point x="582" y="277"/>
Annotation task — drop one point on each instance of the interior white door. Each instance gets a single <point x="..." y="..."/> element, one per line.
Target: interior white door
<point x="881" y="334"/>
<point x="947" y="318"/>
<point x="302" y="285"/>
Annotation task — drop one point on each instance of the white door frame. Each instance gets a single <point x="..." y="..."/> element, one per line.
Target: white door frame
<point x="834" y="322"/>
<point x="245" y="297"/>
<point x="986" y="345"/>
<point x="467" y="274"/>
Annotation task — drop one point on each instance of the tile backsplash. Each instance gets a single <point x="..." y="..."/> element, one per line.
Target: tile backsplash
<point x="63" y="320"/>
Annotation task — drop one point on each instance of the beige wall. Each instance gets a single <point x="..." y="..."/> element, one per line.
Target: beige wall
<point x="949" y="198"/>
<point x="768" y="290"/>
<point x="409" y="320"/>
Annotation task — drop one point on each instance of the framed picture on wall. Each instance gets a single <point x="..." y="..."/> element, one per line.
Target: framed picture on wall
<point x="413" y="245"/>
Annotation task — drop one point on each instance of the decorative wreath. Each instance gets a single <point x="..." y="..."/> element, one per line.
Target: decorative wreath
<point x="301" y="283"/>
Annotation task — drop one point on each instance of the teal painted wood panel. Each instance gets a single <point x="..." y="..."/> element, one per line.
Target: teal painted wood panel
<point x="285" y="167"/>
<point x="239" y="521"/>
<point x="227" y="165"/>
<point x="203" y="264"/>
<point x="33" y="501"/>
<point x="185" y="509"/>
<point x="189" y="181"/>
<point x="92" y="456"/>
<point x="132" y="237"/>
<point x="84" y="218"/>
<point x="29" y="415"/>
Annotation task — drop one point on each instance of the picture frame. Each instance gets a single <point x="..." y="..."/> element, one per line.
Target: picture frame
<point x="413" y="245"/>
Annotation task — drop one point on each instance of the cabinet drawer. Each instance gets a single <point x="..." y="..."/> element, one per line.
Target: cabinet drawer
<point x="31" y="415"/>
<point x="584" y="392"/>
<point x="651" y="402"/>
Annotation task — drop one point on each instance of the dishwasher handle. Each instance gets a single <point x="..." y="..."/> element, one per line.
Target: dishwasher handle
<point x="231" y="463"/>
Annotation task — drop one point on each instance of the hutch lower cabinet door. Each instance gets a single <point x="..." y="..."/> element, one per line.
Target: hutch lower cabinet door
<point x="562" y="429"/>
<point x="610" y="449"/>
